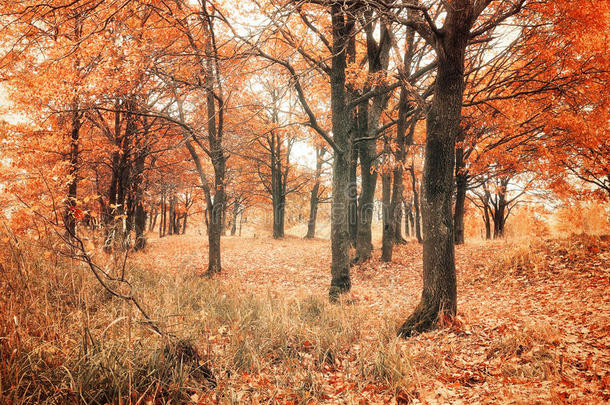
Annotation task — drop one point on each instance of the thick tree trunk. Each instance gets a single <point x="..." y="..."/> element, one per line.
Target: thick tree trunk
<point x="439" y="296"/>
<point x="340" y="241"/>
<point x="499" y="218"/>
<point x="140" y="225"/>
<point x="279" y="210"/>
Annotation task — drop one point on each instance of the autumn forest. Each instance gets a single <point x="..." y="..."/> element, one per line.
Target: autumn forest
<point x="304" y="202"/>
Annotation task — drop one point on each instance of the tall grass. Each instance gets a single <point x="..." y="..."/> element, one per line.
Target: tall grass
<point x="63" y="339"/>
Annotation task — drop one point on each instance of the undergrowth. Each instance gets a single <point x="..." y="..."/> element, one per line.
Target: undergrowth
<point x="64" y="339"/>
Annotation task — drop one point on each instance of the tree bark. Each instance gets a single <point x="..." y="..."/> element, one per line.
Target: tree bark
<point x="499" y="215"/>
<point x="378" y="58"/>
<point x="353" y="198"/>
<point x="315" y="196"/>
<point x="408" y="217"/>
<point x="172" y="214"/>
<point x="235" y="213"/>
<point x="487" y="222"/>
<point x="313" y="211"/>
<point x="163" y="220"/>
<point x="140" y="213"/>
<point x="153" y="217"/>
<point x="461" y="182"/>
<point x="387" y="243"/>
<point x="364" y="244"/>
<point x="70" y="210"/>
<point x="405" y="110"/>
<point x="340" y="241"/>
<point x="398" y="215"/>
<point x="439" y="295"/>
<point x="184" y="218"/>
<point x="416" y="205"/>
<point x="279" y="209"/>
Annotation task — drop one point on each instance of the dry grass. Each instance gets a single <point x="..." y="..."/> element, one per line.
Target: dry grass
<point x="268" y="334"/>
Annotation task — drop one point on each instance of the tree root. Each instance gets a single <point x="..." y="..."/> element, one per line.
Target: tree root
<point x="423" y="319"/>
<point x="336" y="289"/>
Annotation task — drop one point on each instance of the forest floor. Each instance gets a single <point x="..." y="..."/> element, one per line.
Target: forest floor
<point x="533" y="327"/>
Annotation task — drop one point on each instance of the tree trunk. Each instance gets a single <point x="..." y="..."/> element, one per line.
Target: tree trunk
<point x="153" y="217"/>
<point x="111" y="210"/>
<point x="315" y="197"/>
<point x="460" y="200"/>
<point x="216" y="211"/>
<point x="140" y="213"/>
<point x="408" y="217"/>
<point x="487" y="222"/>
<point x="499" y="217"/>
<point x="223" y="228"/>
<point x="353" y="199"/>
<point x="461" y="181"/>
<point x="140" y="223"/>
<point x="235" y="213"/>
<point x="125" y="171"/>
<point x="364" y="244"/>
<point x="172" y="215"/>
<point x="163" y="220"/>
<point x="416" y="205"/>
<point x="398" y="239"/>
<point x="340" y="241"/>
<point x="378" y="58"/>
<point x="279" y="205"/>
<point x="411" y="221"/>
<point x="70" y="214"/>
<point x="439" y="295"/>
<point x="313" y="211"/>
<point x="387" y="243"/>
